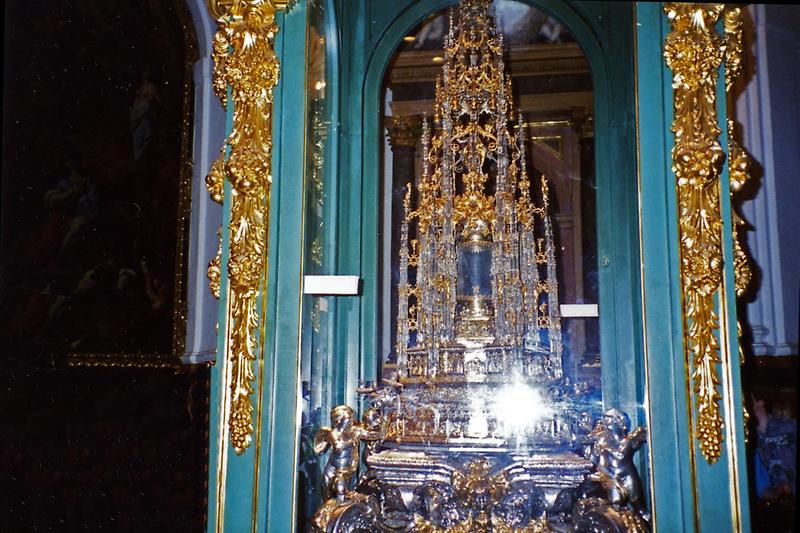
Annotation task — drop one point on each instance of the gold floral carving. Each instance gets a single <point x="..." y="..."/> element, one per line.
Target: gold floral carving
<point x="734" y="46"/>
<point x="216" y="178"/>
<point x="738" y="167"/>
<point x="245" y="63"/>
<point x="215" y="268"/>
<point x="738" y="160"/>
<point x="423" y="526"/>
<point x="694" y="51"/>
<point x="215" y="186"/>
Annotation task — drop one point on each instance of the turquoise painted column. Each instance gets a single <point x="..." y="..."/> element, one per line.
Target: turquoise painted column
<point x="693" y="490"/>
<point x="277" y="502"/>
<point x="254" y="489"/>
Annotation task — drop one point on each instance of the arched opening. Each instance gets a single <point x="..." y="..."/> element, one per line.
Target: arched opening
<point x="562" y="107"/>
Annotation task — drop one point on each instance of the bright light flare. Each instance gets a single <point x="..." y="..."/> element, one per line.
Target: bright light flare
<point x="518" y="408"/>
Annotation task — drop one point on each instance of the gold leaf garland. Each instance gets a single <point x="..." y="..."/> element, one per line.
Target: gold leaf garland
<point x="739" y="169"/>
<point x="244" y="60"/>
<point x="734" y="46"/>
<point x="215" y="186"/>
<point x="215" y="268"/>
<point x="739" y="161"/>
<point x="694" y="51"/>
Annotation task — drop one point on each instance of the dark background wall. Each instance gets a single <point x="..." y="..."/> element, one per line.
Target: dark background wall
<point x="768" y="111"/>
<point x="106" y="89"/>
<point x="103" y="449"/>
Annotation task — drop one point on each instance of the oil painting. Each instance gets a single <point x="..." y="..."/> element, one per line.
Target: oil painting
<point x="95" y="179"/>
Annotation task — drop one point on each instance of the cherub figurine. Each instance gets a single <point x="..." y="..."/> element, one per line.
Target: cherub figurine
<point x="343" y="438"/>
<point x="611" y="449"/>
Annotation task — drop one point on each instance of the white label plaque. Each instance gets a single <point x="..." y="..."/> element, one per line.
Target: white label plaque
<point x="341" y="285"/>
<point x="578" y="310"/>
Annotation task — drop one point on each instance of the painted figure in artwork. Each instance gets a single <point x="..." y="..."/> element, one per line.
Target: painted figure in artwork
<point x="143" y="115"/>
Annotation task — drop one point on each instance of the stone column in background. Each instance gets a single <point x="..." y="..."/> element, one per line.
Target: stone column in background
<point x="403" y="133"/>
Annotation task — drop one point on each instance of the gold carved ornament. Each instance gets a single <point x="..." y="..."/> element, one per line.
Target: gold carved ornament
<point x="738" y="167"/>
<point x="244" y="63"/>
<point x="694" y="51"/>
<point x="739" y="161"/>
<point x="403" y="130"/>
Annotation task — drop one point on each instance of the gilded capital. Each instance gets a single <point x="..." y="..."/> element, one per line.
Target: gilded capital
<point x="403" y="130"/>
<point x="583" y="119"/>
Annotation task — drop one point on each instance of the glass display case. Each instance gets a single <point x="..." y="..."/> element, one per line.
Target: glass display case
<point x="536" y="341"/>
<point x="489" y="356"/>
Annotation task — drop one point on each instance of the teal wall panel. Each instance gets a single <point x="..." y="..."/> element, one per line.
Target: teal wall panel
<point x="289" y="129"/>
<point x="672" y="481"/>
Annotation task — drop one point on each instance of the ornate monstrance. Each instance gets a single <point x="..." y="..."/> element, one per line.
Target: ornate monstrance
<point x="478" y="296"/>
<point x="479" y="429"/>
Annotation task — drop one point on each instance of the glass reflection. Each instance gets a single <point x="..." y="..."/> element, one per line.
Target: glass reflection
<point x="556" y="368"/>
<point x="316" y="362"/>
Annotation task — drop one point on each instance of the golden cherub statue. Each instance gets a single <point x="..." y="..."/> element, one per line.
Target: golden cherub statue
<point x="611" y="449"/>
<point x="343" y="437"/>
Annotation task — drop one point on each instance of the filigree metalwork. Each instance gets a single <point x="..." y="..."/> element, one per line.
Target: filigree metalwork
<point x="245" y="62"/>
<point x="694" y="52"/>
<point x="482" y="270"/>
<point x="319" y="138"/>
<point x="403" y="130"/>
<point x="480" y="494"/>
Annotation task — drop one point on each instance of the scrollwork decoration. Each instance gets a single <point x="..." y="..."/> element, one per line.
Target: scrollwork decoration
<point x="694" y="51"/>
<point x="245" y="62"/>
